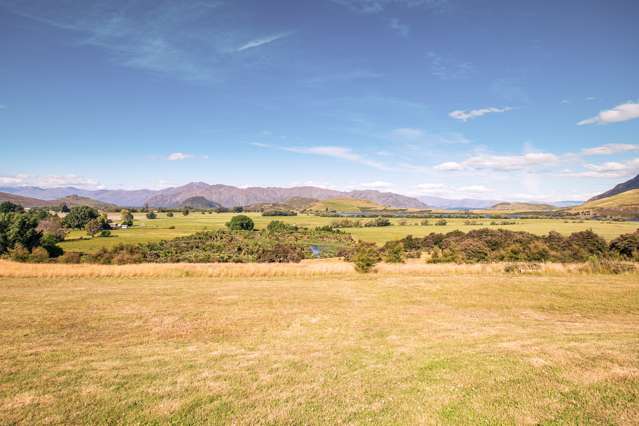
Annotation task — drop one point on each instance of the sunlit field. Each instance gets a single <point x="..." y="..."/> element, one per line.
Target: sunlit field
<point x="160" y="228"/>
<point x="486" y="348"/>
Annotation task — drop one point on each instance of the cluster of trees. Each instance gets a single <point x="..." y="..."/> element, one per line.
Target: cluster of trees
<point x="279" y="213"/>
<point x="240" y="243"/>
<point x="29" y="236"/>
<point x="356" y="223"/>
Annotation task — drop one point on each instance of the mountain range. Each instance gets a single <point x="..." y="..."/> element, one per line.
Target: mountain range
<point x="227" y="196"/>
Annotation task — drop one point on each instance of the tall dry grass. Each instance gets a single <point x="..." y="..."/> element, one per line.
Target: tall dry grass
<point x="308" y="268"/>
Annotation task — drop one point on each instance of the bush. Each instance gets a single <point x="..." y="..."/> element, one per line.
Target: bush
<point x="394" y="254"/>
<point x="378" y="221"/>
<point x="279" y="226"/>
<point x="185" y="212"/>
<point x="79" y="216"/>
<point x="169" y="214"/>
<point x="151" y="215"/>
<point x="279" y="213"/>
<point x="441" y="222"/>
<point x="39" y="255"/>
<point x="70" y="257"/>
<point x="9" y="207"/>
<point x="19" y="253"/>
<point x="241" y="223"/>
<point x="626" y="246"/>
<point x="365" y="256"/>
<point x="49" y="243"/>
<point x="105" y="233"/>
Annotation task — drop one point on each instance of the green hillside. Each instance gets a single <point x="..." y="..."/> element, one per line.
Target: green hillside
<point x="623" y="204"/>
<point x="345" y="205"/>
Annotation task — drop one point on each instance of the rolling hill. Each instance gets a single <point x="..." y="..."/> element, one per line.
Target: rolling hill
<point x="69" y="200"/>
<point x="623" y="204"/>
<point x="27" y="202"/>
<point x="523" y="207"/>
<point x="198" y="202"/>
<point x="345" y="205"/>
<point x="618" y="189"/>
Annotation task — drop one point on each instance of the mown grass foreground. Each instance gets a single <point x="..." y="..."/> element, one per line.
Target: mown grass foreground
<point x="378" y="348"/>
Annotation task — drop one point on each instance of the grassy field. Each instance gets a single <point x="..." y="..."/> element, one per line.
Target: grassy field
<point x="158" y="229"/>
<point x="385" y="348"/>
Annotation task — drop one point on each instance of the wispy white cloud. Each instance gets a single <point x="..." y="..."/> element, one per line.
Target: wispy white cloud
<point x="448" y="191"/>
<point x="399" y="27"/>
<point x="501" y="163"/>
<point x="378" y="184"/>
<point x="416" y="135"/>
<point x="178" y="156"/>
<point x="622" y="112"/>
<point x="50" y="181"/>
<point x="343" y="77"/>
<point x="610" y="149"/>
<point x="190" y="41"/>
<point x="261" y="41"/>
<point x="447" y="68"/>
<point x="338" y="152"/>
<point x="610" y="169"/>
<point x="377" y="6"/>
<point x="474" y="113"/>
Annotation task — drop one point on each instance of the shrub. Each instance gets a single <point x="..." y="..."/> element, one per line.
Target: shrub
<point x="9" y="207"/>
<point x="39" y="255"/>
<point x="279" y="213"/>
<point x="424" y="222"/>
<point x="79" y="216"/>
<point x="185" y="212"/>
<point x="626" y="246"/>
<point x="378" y="221"/>
<point x="19" y="253"/>
<point x="241" y="223"/>
<point x="279" y="226"/>
<point x="169" y="214"/>
<point x="365" y="256"/>
<point x="393" y="254"/>
<point x="49" y="243"/>
<point x="151" y="215"/>
<point x="70" y="257"/>
<point x="441" y="222"/>
<point x="105" y="233"/>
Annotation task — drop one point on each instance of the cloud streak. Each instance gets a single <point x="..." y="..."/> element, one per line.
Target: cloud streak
<point x="475" y="113"/>
<point x="52" y="181"/>
<point x="263" y="41"/>
<point x="500" y="163"/>
<point x="610" y="149"/>
<point x="618" y="114"/>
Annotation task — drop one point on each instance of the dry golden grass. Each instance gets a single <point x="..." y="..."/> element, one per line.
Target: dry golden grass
<point x="316" y="343"/>
<point x="308" y="268"/>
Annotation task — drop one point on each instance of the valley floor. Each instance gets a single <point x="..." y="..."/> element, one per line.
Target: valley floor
<point x="462" y="348"/>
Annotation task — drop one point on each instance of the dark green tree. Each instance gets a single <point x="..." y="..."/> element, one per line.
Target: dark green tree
<point x="79" y="216"/>
<point x="9" y="207"/>
<point x="241" y="223"/>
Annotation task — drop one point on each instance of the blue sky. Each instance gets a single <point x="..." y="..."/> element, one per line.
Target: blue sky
<point x="482" y="99"/>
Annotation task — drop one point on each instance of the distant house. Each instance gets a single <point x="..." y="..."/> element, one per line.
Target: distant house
<point x="124" y="226"/>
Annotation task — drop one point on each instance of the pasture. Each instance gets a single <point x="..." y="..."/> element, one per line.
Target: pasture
<point x="476" y="346"/>
<point x="163" y="227"/>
